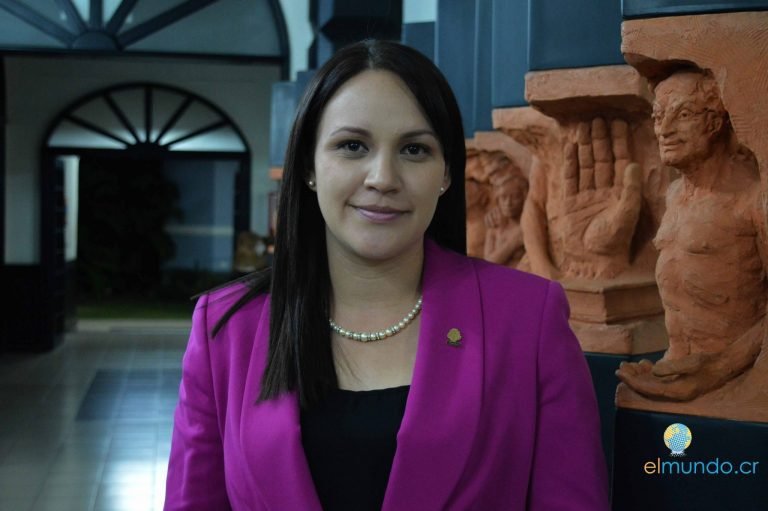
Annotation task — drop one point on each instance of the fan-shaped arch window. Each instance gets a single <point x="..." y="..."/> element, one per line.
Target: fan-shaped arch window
<point x="148" y="117"/>
<point x="254" y="29"/>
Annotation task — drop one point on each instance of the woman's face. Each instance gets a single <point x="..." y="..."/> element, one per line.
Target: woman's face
<point x="378" y="168"/>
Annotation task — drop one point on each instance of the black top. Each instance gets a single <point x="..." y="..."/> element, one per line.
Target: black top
<point x="350" y="443"/>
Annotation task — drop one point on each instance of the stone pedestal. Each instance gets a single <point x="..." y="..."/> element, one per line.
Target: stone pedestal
<point x="622" y="317"/>
<point x="742" y="398"/>
<point x="722" y="468"/>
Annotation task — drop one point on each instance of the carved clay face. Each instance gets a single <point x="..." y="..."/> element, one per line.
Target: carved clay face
<point x="683" y="125"/>
<point x="493" y="162"/>
<point x="474" y="169"/>
<point x="511" y="197"/>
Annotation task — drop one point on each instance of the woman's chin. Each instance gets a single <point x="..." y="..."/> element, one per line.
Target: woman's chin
<point x="381" y="250"/>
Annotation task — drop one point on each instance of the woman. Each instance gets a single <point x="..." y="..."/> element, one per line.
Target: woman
<point x="375" y="367"/>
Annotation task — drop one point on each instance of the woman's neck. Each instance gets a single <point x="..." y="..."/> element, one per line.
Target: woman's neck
<point x="370" y="295"/>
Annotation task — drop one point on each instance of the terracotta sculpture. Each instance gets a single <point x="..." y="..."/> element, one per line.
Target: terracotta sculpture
<point x="504" y="236"/>
<point x="585" y="229"/>
<point x="492" y="158"/>
<point x="478" y="197"/>
<point x="601" y="200"/>
<point x="713" y="246"/>
<point x="580" y="218"/>
<point x="595" y="200"/>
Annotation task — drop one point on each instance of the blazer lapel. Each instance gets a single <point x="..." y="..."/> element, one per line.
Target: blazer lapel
<point x="443" y="408"/>
<point x="270" y="434"/>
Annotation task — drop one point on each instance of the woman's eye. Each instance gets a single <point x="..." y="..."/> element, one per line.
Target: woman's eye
<point x="684" y="114"/>
<point x="415" y="150"/>
<point x="351" y="146"/>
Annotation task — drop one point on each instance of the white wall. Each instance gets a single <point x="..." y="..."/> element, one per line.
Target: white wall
<point x="39" y="88"/>
<point x="71" y="202"/>
<point x="417" y="11"/>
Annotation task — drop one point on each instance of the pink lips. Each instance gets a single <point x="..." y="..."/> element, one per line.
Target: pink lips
<point x="379" y="214"/>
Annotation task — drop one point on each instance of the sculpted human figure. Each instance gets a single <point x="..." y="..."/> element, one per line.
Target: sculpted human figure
<point x="581" y="223"/>
<point x="712" y="264"/>
<point x="504" y="237"/>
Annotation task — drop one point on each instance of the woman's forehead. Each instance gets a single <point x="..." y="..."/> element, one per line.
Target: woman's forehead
<point x="373" y="100"/>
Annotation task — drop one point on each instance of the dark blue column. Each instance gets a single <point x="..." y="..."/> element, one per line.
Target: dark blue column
<point x="455" y="53"/>
<point x="482" y="106"/>
<point x="2" y="164"/>
<point x="463" y="52"/>
<point x="420" y="36"/>
<point x="3" y="273"/>
<point x="529" y="35"/>
<point x="509" y="52"/>
<point x="285" y="97"/>
<point x="341" y="22"/>
<point x="568" y="33"/>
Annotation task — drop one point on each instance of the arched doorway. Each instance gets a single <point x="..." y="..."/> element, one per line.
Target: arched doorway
<point x="140" y="132"/>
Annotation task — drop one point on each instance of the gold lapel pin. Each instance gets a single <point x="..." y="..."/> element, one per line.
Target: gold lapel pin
<point x="454" y="337"/>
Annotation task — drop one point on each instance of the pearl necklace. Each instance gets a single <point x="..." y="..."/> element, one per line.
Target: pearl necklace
<point x="381" y="334"/>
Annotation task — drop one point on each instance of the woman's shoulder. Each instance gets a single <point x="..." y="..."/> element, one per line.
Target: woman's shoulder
<point x="491" y="277"/>
<point x="491" y="272"/>
<point x="509" y="290"/>
<point x="244" y="294"/>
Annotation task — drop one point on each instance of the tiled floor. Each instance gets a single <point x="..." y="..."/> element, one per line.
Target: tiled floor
<point x="87" y="426"/>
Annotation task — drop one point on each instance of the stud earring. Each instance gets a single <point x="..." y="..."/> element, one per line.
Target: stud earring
<point x="311" y="184"/>
<point x="442" y="190"/>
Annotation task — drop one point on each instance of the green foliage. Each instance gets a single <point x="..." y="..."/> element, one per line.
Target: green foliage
<point x="122" y="244"/>
<point x="135" y="308"/>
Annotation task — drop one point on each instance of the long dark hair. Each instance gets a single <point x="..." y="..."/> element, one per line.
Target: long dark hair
<point x="300" y="356"/>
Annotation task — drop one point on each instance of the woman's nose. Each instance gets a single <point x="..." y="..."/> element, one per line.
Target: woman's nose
<point x="383" y="173"/>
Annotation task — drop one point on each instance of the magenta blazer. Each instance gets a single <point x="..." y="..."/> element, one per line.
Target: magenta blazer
<point x="507" y="420"/>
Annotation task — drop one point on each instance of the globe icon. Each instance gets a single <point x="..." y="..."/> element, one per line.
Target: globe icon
<point x="677" y="437"/>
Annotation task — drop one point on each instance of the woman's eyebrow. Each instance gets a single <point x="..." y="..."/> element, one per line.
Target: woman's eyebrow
<point x="351" y="129"/>
<point x="418" y="133"/>
<point x="363" y="132"/>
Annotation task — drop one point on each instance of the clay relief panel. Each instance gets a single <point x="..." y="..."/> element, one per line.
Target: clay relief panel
<point x="496" y="188"/>
<point x="585" y="214"/>
<point x="478" y="193"/>
<point x="504" y="236"/>
<point x="595" y="201"/>
<point x="593" y="205"/>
